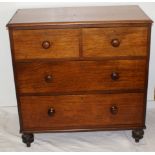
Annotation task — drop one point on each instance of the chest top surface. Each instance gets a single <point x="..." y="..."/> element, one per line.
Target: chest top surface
<point x="79" y="15"/>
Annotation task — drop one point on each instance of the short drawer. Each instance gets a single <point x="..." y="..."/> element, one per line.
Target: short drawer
<point x="48" y="43"/>
<point x="72" y="76"/>
<point x="123" y="41"/>
<point x="81" y="111"/>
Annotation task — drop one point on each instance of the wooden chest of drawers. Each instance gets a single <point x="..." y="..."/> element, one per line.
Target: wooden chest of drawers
<point x="81" y="69"/>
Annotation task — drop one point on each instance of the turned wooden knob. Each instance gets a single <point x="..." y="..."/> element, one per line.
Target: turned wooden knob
<point x="51" y="111"/>
<point x="46" y="44"/>
<point x="114" y="110"/>
<point x="48" y="78"/>
<point x="114" y="76"/>
<point x="115" y="42"/>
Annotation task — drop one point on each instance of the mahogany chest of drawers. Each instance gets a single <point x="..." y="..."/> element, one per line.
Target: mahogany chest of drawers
<point x="80" y="69"/>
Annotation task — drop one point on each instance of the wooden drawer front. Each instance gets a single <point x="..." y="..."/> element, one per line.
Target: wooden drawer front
<point x="81" y="111"/>
<point x="124" y="41"/>
<point x="69" y="76"/>
<point x="32" y="44"/>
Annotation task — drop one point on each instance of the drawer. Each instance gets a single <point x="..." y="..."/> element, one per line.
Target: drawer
<point x="48" y="43"/>
<point x="81" y="111"/>
<point x="72" y="76"/>
<point x="109" y="42"/>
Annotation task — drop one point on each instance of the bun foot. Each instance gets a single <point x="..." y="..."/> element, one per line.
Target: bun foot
<point x="27" y="139"/>
<point x="137" y="134"/>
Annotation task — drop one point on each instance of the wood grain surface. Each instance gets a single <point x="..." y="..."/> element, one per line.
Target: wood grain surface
<point x="79" y="15"/>
<point x="70" y="76"/>
<point x="81" y="68"/>
<point x="28" y="44"/>
<point x="97" y="42"/>
<point x="81" y="111"/>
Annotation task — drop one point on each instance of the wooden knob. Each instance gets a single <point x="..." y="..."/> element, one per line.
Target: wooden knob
<point x="114" y="110"/>
<point x="115" y="42"/>
<point x="51" y="111"/>
<point x="48" y="78"/>
<point x="46" y="44"/>
<point x="114" y="76"/>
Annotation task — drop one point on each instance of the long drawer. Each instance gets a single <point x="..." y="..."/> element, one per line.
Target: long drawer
<point x="70" y="76"/>
<point x="81" y="111"/>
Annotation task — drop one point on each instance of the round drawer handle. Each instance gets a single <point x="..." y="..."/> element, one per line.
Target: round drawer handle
<point x="46" y="44"/>
<point x="115" y="42"/>
<point x="114" y="76"/>
<point x="51" y="111"/>
<point x="114" y="110"/>
<point x="48" y="78"/>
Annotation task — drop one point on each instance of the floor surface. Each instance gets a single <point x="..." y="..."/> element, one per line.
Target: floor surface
<point x="10" y="139"/>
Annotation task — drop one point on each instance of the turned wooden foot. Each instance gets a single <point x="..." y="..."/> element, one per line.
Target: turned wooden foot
<point x="137" y="134"/>
<point x="27" y="139"/>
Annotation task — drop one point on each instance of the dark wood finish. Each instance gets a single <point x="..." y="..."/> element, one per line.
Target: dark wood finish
<point x="115" y="42"/>
<point x="81" y="111"/>
<point x="110" y="128"/>
<point x="81" y="58"/>
<point x="85" y="92"/>
<point x="39" y="26"/>
<point x="33" y="44"/>
<point x="147" y="71"/>
<point x="115" y="76"/>
<point x="80" y="76"/>
<point x="137" y="134"/>
<point x="46" y="44"/>
<point x="122" y="41"/>
<point x="51" y="111"/>
<point x="28" y="139"/>
<point x="114" y="109"/>
<point x="15" y="79"/>
<point x="87" y="64"/>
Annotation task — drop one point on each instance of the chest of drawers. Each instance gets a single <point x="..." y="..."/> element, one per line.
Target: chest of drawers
<point x="80" y="69"/>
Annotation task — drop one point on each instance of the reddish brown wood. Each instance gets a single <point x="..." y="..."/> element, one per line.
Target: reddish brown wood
<point x="79" y="15"/>
<point x="115" y="42"/>
<point x="39" y="26"/>
<point x="51" y="111"/>
<point x="90" y="67"/>
<point x="99" y="128"/>
<point x="114" y="109"/>
<point x="46" y="44"/>
<point x="52" y="43"/>
<point x="132" y="41"/>
<point x="80" y="76"/>
<point x="15" y="79"/>
<point x="82" y="59"/>
<point x="147" y="71"/>
<point x="81" y="111"/>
